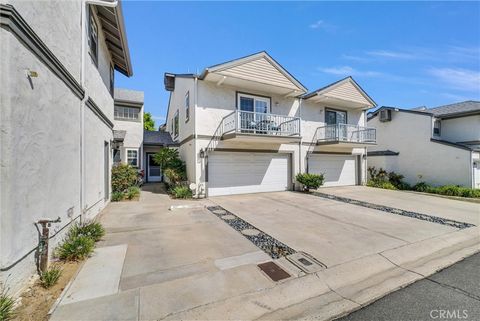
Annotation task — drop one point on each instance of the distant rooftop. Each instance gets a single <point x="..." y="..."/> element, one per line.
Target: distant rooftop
<point x="456" y="108"/>
<point x="129" y="95"/>
<point x="157" y="138"/>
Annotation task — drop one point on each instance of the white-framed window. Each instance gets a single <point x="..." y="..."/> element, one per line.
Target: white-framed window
<point x="252" y="103"/>
<point x="187" y="106"/>
<point x="93" y="37"/>
<point x="127" y="113"/>
<point x="437" y="127"/>
<point x="132" y="157"/>
<point x="175" y="124"/>
<point x="335" y="117"/>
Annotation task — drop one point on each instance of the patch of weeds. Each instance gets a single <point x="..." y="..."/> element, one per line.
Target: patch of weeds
<point x="117" y="196"/>
<point x="50" y="277"/>
<point x="7" y="307"/>
<point x="75" y="248"/>
<point x="91" y="229"/>
<point x="180" y="191"/>
<point x="132" y="192"/>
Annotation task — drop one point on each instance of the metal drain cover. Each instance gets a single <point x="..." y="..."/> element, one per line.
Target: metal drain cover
<point x="306" y="262"/>
<point x="275" y="272"/>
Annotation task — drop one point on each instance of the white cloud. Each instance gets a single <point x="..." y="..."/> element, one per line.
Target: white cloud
<point x="349" y="71"/>
<point x="322" y="25"/>
<point x="355" y="58"/>
<point x="390" y="54"/>
<point x="458" y="78"/>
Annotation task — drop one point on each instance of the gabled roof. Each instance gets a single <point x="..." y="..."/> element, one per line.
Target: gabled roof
<point x="260" y="62"/>
<point x="157" y="138"/>
<point x="113" y="27"/>
<point x="464" y="107"/>
<point x="341" y="82"/>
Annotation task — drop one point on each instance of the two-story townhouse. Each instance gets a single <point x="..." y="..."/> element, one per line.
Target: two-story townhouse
<point x="128" y="127"/>
<point x="249" y="126"/>
<point x="57" y="80"/>
<point x="440" y="146"/>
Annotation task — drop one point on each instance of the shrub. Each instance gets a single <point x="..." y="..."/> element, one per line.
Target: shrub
<point x="310" y="181"/>
<point x="117" y="196"/>
<point x="91" y="229"/>
<point x="453" y="190"/>
<point x="174" y="177"/>
<point x="75" y="248"/>
<point x="380" y="184"/>
<point x="181" y="192"/>
<point x="50" y="277"/>
<point x="132" y="192"/>
<point x="395" y="179"/>
<point x="172" y="166"/>
<point x="7" y="304"/>
<point x="421" y="187"/>
<point x="123" y="176"/>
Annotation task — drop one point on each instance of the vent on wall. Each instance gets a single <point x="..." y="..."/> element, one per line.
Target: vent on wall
<point x="385" y="115"/>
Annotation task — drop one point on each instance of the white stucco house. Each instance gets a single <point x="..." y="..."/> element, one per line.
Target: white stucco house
<point x="440" y="146"/>
<point x="249" y="126"/>
<point x="57" y="89"/>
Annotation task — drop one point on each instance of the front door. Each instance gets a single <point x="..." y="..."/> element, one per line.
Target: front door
<point x="154" y="173"/>
<point x="337" y="119"/>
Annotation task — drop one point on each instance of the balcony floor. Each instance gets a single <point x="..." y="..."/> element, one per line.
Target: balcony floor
<point x="344" y="143"/>
<point x="260" y="138"/>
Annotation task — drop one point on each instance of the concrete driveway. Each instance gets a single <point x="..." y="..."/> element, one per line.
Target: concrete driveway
<point x="193" y="262"/>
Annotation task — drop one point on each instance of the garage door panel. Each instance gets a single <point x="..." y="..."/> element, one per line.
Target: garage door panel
<point x="339" y="170"/>
<point x="240" y="173"/>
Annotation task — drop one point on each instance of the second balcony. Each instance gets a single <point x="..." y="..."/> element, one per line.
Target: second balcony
<point x="345" y="134"/>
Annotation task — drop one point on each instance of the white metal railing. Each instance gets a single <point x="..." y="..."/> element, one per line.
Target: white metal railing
<point x="346" y="133"/>
<point x="261" y="124"/>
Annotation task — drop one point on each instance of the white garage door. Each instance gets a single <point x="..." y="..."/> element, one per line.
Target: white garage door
<point x="240" y="173"/>
<point x="339" y="170"/>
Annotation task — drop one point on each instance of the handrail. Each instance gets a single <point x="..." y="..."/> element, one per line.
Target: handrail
<point x="346" y="132"/>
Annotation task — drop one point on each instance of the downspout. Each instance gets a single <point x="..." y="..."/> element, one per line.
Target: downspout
<point x="83" y="57"/>
<point x="195" y="90"/>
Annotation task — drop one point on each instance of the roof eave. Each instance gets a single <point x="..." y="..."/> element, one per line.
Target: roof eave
<point x="121" y="27"/>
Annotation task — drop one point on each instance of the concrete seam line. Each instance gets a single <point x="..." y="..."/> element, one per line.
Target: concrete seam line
<point x="401" y="267"/>
<point x="473" y="296"/>
<point x="345" y="298"/>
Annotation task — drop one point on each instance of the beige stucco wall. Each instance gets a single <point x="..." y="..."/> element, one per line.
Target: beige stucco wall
<point x="410" y="134"/>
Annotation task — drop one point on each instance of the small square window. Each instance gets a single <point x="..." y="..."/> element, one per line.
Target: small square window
<point x="132" y="157"/>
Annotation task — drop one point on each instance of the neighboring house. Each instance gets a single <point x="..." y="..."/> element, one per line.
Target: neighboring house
<point x="57" y="82"/>
<point x="249" y="126"/>
<point x="440" y="145"/>
<point x="128" y="127"/>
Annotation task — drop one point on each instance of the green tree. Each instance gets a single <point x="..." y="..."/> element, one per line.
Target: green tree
<point x="148" y="122"/>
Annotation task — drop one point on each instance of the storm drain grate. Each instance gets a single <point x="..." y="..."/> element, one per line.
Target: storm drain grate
<point x="273" y="271"/>
<point x="306" y="262"/>
<point x="273" y="247"/>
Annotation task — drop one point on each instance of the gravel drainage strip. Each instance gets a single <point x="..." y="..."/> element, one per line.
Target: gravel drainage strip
<point x="273" y="247"/>
<point x="397" y="211"/>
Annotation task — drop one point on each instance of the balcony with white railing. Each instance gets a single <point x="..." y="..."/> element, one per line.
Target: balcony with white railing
<point x="245" y="126"/>
<point x="346" y="134"/>
<point x="251" y="125"/>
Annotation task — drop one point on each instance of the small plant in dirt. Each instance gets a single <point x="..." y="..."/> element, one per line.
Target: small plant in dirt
<point x="117" y="196"/>
<point x="75" y="248"/>
<point x="421" y="187"/>
<point x="91" y="229"/>
<point x="123" y="176"/>
<point x="7" y="306"/>
<point x="50" y="277"/>
<point x="310" y="181"/>
<point x="132" y="192"/>
<point x="180" y="191"/>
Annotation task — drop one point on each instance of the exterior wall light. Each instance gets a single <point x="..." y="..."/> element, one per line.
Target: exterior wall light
<point x="31" y="74"/>
<point x="202" y="153"/>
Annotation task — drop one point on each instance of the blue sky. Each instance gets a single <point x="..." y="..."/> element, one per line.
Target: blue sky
<point x="405" y="54"/>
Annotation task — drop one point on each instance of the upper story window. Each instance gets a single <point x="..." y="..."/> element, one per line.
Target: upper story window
<point x="187" y="106"/>
<point x="252" y="103"/>
<point x="437" y="126"/>
<point x="132" y="157"/>
<point x="127" y="113"/>
<point x="175" y="124"/>
<point x="335" y="117"/>
<point x="93" y="37"/>
<point x="112" y="79"/>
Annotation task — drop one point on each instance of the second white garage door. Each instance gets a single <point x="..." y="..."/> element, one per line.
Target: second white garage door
<point x="339" y="170"/>
<point x="241" y="173"/>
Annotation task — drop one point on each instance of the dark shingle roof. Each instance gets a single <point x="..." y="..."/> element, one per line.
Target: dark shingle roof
<point x="382" y="153"/>
<point x="157" y="138"/>
<point x="457" y="108"/>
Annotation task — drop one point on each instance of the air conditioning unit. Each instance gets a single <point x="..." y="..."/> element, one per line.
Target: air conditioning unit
<point x="385" y="115"/>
